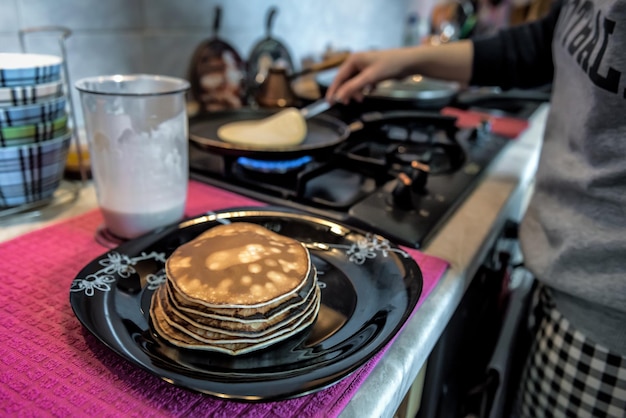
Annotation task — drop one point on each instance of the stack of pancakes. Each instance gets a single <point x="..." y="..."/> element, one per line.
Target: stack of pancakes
<point x="234" y="289"/>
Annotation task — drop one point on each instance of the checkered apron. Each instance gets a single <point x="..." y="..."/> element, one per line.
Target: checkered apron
<point x="567" y="375"/>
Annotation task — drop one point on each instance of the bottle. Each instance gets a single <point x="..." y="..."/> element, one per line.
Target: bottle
<point x="410" y="30"/>
<point x="415" y="30"/>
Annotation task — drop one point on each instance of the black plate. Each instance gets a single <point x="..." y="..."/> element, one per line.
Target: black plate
<point x="369" y="288"/>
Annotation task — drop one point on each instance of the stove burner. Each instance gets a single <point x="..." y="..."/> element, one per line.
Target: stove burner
<point x="406" y="133"/>
<point x="338" y="188"/>
<point x="275" y="167"/>
<point x="441" y="158"/>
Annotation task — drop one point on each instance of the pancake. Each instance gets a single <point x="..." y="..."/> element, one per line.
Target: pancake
<point x="234" y="289"/>
<point x="258" y="311"/>
<point x="286" y="128"/>
<point x="181" y="336"/>
<point x="217" y="331"/>
<point x="220" y="319"/>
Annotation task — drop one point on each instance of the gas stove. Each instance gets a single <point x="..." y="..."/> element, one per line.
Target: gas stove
<point x="400" y="174"/>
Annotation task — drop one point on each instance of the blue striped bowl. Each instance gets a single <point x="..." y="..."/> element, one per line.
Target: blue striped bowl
<point x="25" y="69"/>
<point x="27" y="134"/>
<point x="31" y="173"/>
<point x="32" y="93"/>
<point x="45" y="111"/>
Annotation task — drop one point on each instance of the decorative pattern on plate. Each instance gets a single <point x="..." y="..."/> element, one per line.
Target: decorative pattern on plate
<point x="156" y="280"/>
<point x="369" y="246"/>
<point x="365" y="248"/>
<point x="120" y="265"/>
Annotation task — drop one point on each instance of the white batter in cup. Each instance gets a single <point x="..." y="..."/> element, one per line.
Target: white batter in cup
<point x="137" y="128"/>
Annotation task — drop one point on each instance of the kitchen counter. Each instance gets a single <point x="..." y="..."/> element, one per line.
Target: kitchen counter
<point x="463" y="241"/>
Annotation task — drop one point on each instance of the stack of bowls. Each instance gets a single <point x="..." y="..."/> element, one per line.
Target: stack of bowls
<point x="34" y="134"/>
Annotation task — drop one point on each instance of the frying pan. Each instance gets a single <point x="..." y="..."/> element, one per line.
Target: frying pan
<point x="323" y="134"/>
<point x="266" y="53"/>
<point x="217" y="73"/>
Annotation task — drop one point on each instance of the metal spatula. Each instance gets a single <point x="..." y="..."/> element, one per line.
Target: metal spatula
<point x="315" y="108"/>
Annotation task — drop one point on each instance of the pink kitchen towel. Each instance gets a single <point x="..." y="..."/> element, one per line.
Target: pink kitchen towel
<point x="507" y="127"/>
<point x="51" y="366"/>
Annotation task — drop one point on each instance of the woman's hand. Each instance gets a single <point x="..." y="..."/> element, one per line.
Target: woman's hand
<point x="361" y="71"/>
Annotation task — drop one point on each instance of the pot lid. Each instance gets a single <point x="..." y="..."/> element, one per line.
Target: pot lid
<point x="410" y="88"/>
<point x="415" y="87"/>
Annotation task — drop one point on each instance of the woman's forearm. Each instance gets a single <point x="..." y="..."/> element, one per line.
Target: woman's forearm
<point x="451" y="61"/>
<point x="363" y="70"/>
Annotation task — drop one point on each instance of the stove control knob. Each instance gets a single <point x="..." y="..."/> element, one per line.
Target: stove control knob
<point x="402" y="195"/>
<point x="419" y="177"/>
<point x="481" y="133"/>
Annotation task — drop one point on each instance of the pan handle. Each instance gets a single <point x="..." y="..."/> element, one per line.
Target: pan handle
<point x="333" y="62"/>
<point x="476" y="98"/>
<point x="269" y="22"/>
<point x="415" y="117"/>
<point x="217" y="20"/>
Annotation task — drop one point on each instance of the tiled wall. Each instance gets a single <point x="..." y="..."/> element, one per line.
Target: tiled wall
<point x="159" y="36"/>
